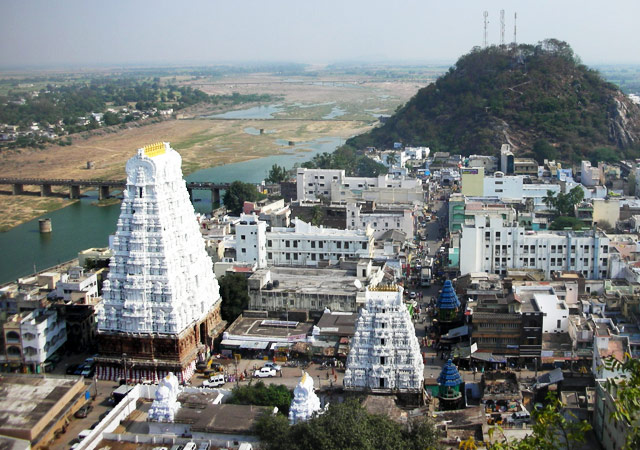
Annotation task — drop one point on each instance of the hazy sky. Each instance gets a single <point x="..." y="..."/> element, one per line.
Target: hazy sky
<point x="89" y="32"/>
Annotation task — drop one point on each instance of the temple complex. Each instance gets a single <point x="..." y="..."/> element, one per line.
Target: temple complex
<point x="385" y="354"/>
<point x="305" y="402"/>
<point x="450" y="392"/>
<point x="448" y="309"/>
<point x="161" y="308"/>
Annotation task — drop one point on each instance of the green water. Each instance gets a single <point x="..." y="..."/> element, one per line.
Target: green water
<point x="82" y="225"/>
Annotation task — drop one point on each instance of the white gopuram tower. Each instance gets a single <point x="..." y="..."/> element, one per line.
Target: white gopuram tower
<point x="385" y="353"/>
<point x="305" y="402"/>
<point x="161" y="298"/>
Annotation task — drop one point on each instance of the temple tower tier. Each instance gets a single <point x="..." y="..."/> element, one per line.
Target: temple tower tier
<point x="161" y="299"/>
<point x="385" y="353"/>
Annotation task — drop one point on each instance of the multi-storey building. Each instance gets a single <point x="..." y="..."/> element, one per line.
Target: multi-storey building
<point x="304" y="245"/>
<point x="495" y="246"/>
<point x="314" y="184"/>
<point x="161" y="308"/>
<point x="30" y="338"/>
<point x="381" y="218"/>
<point x="77" y="284"/>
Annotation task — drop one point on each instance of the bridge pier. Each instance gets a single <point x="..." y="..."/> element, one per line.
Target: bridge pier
<point x="45" y="190"/>
<point x="103" y="192"/>
<point x="74" y="191"/>
<point x="215" y="198"/>
<point x="17" y="188"/>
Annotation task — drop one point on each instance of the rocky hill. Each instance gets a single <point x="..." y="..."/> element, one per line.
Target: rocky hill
<point x="540" y="99"/>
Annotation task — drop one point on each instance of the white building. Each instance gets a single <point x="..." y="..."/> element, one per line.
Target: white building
<point x="32" y="337"/>
<point x="308" y="245"/>
<point x="313" y="184"/>
<point x="590" y="176"/>
<point x="381" y="218"/>
<point x="556" y="313"/>
<point x="385" y="353"/>
<point x="513" y="188"/>
<point x="251" y="240"/>
<point x="494" y="246"/>
<point x="161" y="279"/>
<point x="77" y="284"/>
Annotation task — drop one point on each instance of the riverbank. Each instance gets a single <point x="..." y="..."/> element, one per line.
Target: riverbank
<point x="202" y="143"/>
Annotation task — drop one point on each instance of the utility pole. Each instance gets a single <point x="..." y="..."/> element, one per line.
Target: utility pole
<point x="124" y="363"/>
<point x="515" y="19"/>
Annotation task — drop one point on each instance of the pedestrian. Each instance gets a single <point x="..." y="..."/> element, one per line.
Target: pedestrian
<point x="281" y="374"/>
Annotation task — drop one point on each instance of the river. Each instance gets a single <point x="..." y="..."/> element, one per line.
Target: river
<point x="82" y="225"/>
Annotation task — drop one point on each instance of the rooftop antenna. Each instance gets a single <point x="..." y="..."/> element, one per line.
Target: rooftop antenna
<point x="515" y="19"/>
<point x="502" y="27"/>
<point x="486" y="21"/>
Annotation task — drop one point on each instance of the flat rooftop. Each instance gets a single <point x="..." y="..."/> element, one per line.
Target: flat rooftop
<point x="264" y="327"/>
<point x="226" y="418"/>
<point x="338" y="323"/>
<point x="27" y="399"/>
<point x="305" y="280"/>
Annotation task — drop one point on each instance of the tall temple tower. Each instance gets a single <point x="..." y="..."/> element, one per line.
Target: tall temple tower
<point x="385" y="353"/>
<point x="161" y="308"/>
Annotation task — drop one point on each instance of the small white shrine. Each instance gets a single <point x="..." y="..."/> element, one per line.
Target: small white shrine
<point x="166" y="404"/>
<point x="385" y="353"/>
<point x="305" y="402"/>
<point x="160" y="278"/>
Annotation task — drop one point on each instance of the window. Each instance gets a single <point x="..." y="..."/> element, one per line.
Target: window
<point x="287" y="244"/>
<point x="269" y="243"/>
<point x="346" y="245"/>
<point x="295" y="244"/>
<point x="339" y="244"/>
<point x="320" y="244"/>
<point x="313" y="244"/>
<point x="498" y="190"/>
<point x="243" y="237"/>
<point x="605" y="249"/>
<point x="313" y="257"/>
<point x="287" y="256"/>
<point x="244" y="250"/>
<point x="269" y="255"/>
<point x="364" y="246"/>
<point x="497" y="235"/>
<point x="559" y="323"/>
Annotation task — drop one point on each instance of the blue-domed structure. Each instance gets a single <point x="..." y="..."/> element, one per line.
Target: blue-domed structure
<point x="450" y="383"/>
<point x="447" y="304"/>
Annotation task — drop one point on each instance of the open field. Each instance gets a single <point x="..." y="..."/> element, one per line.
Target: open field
<point x="205" y="143"/>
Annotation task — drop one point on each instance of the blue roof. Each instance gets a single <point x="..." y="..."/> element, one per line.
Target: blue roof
<point x="449" y="376"/>
<point x="448" y="298"/>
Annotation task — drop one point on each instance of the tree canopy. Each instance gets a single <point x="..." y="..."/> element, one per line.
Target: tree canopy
<point x="349" y="160"/>
<point x="262" y="395"/>
<point x="527" y="93"/>
<point x="277" y="174"/>
<point x="564" y="204"/>
<point x="235" y="296"/>
<point x="346" y="426"/>
<point x="238" y="193"/>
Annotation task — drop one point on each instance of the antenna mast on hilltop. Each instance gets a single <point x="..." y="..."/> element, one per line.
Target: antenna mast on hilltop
<point x="515" y="19"/>
<point x="502" y="27"/>
<point x="486" y="21"/>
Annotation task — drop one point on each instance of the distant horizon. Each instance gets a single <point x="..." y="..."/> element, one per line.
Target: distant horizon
<point x="77" y="33"/>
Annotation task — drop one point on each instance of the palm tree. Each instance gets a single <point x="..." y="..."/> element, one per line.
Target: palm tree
<point x="550" y="200"/>
<point x="392" y="158"/>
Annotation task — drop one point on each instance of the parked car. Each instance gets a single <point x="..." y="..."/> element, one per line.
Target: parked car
<point x="215" y="381"/>
<point x="265" y="372"/>
<point x="273" y="365"/>
<point x="83" y="412"/>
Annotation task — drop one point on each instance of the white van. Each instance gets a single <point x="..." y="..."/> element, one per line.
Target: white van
<point x="215" y="381"/>
<point x="190" y="446"/>
<point x="84" y="433"/>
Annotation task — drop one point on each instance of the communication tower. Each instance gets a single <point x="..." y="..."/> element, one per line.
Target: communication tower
<point x="515" y="19"/>
<point x="486" y="21"/>
<point x="502" y="27"/>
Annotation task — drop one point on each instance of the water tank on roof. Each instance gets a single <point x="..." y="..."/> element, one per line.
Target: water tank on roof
<point x="498" y="174"/>
<point x="269" y="286"/>
<point x="276" y="283"/>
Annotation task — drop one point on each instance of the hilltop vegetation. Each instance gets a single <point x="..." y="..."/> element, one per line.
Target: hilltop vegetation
<point x="522" y="95"/>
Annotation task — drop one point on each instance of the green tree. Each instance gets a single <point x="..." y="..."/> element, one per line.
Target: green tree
<point x="627" y="394"/>
<point x="259" y="394"/>
<point x="277" y="174"/>
<point x="235" y="296"/>
<point x="110" y="119"/>
<point x="237" y="194"/>
<point x="346" y="426"/>
<point x="543" y="150"/>
<point x="317" y="216"/>
<point x="562" y="222"/>
<point x="551" y="430"/>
